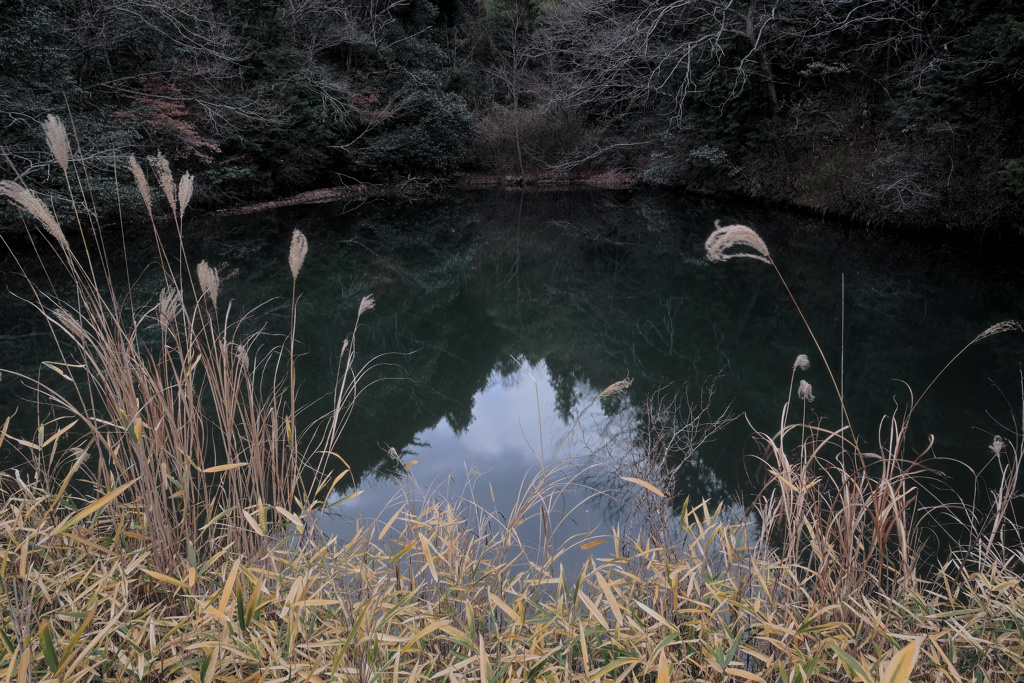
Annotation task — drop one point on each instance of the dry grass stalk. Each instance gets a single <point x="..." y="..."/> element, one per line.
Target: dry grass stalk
<point x="729" y="237"/>
<point x="297" y="253"/>
<point x="28" y="200"/>
<point x="57" y="140"/>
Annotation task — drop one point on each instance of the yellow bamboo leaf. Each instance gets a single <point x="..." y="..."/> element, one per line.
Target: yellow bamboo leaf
<point x="92" y="507"/>
<point x="252" y="522"/>
<point x="163" y="577"/>
<point x="229" y="587"/>
<point x="292" y="518"/>
<point x="428" y="556"/>
<point x="902" y="664"/>
<point x="387" y="526"/>
<point x="610" y="596"/>
<point x="640" y="482"/>
<point x="26" y="657"/>
<point x="504" y="607"/>
<point x="744" y="674"/>
<point x="224" y="468"/>
<point x="594" y="611"/>
<point x="429" y="628"/>
<point x="592" y="544"/>
<point x="663" y="675"/>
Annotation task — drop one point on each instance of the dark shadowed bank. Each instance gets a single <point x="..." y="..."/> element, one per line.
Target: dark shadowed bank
<point x="887" y="112"/>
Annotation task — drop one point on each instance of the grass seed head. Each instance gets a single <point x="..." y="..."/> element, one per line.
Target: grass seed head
<point x="242" y="354"/>
<point x="184" y="193"/>
<point x="28" y="200"/>
<point x="725" y="238"/>
<point x="366" y="304"/>
<point x="297" y="256"/>
<point x="170" y="306"/>
<point x="805" y="392"/>
<point x="69" y="323"/>
<point x="165" y="178"/>
<point x="998" y="328"/>
<point x="57" y="140"/>
<point x="802" y="362"/>
<point x="140" y="180"/>
<point x="209" y="281"/>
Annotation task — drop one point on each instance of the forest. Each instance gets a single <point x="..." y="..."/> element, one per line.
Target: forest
<point x="899" y="112"/>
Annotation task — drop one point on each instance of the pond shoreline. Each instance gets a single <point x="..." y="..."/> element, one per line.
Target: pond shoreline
<point x="999" y="240"/>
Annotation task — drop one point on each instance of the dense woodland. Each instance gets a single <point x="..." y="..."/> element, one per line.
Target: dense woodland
<point x="900" y="111"/>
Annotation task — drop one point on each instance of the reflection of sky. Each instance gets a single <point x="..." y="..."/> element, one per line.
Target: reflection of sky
<point x="515" y="432"/>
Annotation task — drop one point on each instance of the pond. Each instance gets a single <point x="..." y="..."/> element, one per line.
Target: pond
<point x="502" y="316"/>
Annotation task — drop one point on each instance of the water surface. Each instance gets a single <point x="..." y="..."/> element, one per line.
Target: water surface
<point x="500" y="316"/>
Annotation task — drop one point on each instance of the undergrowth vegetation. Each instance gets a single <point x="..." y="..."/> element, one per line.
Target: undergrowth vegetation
<point x="196" y="554"/>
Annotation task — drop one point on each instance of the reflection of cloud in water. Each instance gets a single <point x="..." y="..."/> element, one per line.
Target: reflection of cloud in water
<point x="515" y="429"/>
<point x="516" y="436"/>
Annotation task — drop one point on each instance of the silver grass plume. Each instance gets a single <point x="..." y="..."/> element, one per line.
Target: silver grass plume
<point x="615" y="388"/>
<point x="998" y="328"/>
<point x="724" y="238"/>
<point x="170" y="306"/>
<point x="57" y="140"/>
<point x="297" y="255"/>
<point x="28" y="200"/>
<point x="997" y="446"/>
<point x="69" y="323"/>
<point x="804" y="391"/>
<point x="165" y="178"/>
<point x="184" y="192"/>
<point x="209" y="281"/>
<point x="140" y="180"/>
<point x="802" y="362"/>
<point x="242" y="354"/>
<point x="366" y="304"/>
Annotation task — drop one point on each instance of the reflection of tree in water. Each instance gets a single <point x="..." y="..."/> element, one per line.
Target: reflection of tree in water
<point x="661" y="442"/>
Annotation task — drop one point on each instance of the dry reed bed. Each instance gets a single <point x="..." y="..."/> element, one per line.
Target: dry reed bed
<point x="420" y="597"/>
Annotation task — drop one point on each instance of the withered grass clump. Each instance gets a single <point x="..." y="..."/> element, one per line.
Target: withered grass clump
<point x="162" y="399"/>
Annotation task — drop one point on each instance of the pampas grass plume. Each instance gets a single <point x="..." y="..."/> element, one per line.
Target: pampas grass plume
<point x="28" y="200"/>
<point x="57" y="140"/>
<point x="140" y="180"/>
<point x="802" y="362"/>
<point x="998" y="328"/>
<point x="366" y="304"/>
<point x="804" y="391"/>
<point x="725" y="238"/>
<point x="170" y="306"/>
<point x="185" y="186"/>
<point x="297" y="254"/>
<point x="209" y="281"/>
<point x="165" y="178"/>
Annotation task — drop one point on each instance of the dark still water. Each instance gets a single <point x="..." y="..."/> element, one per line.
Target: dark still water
<point x="501" y="316"/>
